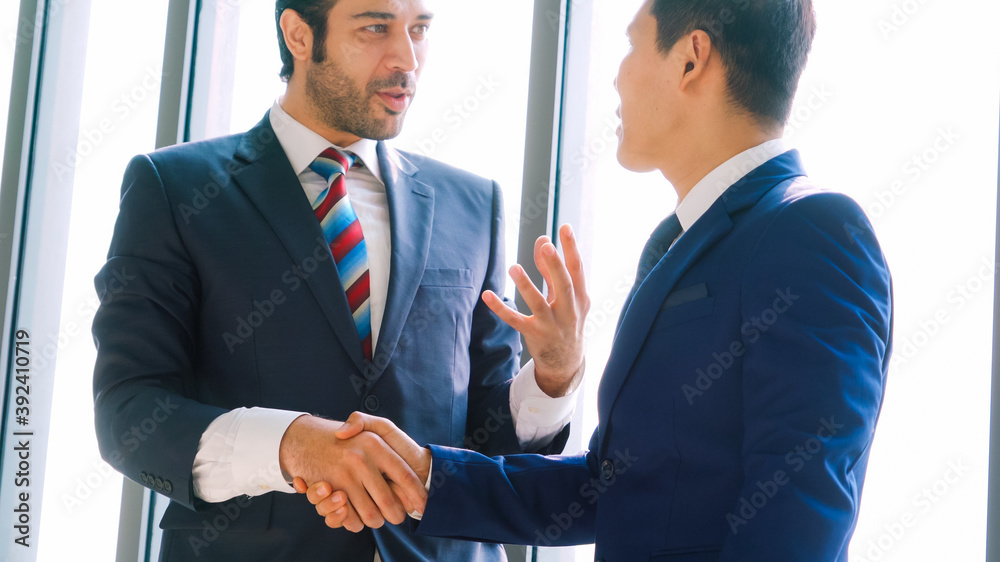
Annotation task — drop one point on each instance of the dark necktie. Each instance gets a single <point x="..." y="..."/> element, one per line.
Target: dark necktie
<point x="656" y="247"/>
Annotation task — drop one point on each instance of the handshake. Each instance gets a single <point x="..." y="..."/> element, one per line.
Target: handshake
<point x="366" y="471"/>
<point x="377" y="470"/>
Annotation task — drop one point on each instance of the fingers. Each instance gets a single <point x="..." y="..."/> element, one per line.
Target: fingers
<point x="389" y="451"/>
<point x="318" y="492"/>
<point x="540" y="262"/>
<point x="299" y="485"/>
<point x="351" y="521"/>
<point x="511" y="317"/>
<point x="534" y="298"/>
<point x="353" y="426"/>
<point x="398" y="470"/>
<point x="398" y="490"/>
<point x="560" y="282"/>
<point x="333" y="507"/>
<point x="369" y="512"/>
<point x="574" y="263"/>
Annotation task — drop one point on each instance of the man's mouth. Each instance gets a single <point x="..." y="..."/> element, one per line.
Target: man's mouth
<point x="396" y="99"/>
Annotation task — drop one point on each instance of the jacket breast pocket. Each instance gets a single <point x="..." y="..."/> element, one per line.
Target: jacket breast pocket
<point x="439" y="277"/>
<point x="697" y="554"/>
<point x="673" y="315"/>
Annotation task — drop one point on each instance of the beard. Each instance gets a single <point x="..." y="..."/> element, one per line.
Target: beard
<point x="344" y="106"/>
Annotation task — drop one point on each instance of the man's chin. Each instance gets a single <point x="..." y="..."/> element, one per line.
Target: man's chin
<point x="631" y="162"/>
<point x="387" y="129"/>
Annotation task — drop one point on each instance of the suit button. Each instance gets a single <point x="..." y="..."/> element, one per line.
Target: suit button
<point x="372" y="403"/>
<point x="607" y="470"/>
<point x="158" y="483"/>
<point x="143" y="478"/>
<point x="167" y="486"/>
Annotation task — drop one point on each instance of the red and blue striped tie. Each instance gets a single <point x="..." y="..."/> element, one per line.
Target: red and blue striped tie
<point x="342" y="231"/>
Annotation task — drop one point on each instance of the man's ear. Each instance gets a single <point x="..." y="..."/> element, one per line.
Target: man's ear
<point x="298" y="35"/>
<point x="695" y="51"/>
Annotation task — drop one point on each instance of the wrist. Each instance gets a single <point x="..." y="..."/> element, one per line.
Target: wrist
<point x="294" y="442"/>
<point x="559" y="384"/>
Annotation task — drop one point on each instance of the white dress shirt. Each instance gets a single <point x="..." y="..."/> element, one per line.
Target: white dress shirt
<point x="238" y="452"/>
<point x="704" y="193"/>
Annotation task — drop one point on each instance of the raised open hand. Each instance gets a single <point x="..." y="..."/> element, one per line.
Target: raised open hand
<point x="554" y="331"/>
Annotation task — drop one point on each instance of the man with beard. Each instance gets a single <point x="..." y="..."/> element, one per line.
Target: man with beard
<point x="305" y="267"/>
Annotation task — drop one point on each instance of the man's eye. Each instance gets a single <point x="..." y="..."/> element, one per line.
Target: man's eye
<point x="378" y="28"/>
<point x="421" y="29"/>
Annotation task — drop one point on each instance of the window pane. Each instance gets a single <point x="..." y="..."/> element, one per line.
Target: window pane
<point x="118" y="120"/>
<point x="10" y="25"/>
<point x="875" y="118"/>
<point x="471" y="104"/>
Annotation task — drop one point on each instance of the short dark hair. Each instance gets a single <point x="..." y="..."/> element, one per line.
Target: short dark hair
<point x="764" y="45"/>
<point x="314" y="13"/>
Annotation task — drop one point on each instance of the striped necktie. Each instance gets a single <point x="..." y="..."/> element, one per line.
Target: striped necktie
<point x="342" y="231"/>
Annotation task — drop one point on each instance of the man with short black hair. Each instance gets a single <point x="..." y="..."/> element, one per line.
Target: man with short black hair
<point x="305" y="267"/>
<point x="739" y="403"/>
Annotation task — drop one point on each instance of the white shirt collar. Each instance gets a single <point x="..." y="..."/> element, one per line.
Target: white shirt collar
<point x="302" y="145"/>
<point x="704" y="194"/>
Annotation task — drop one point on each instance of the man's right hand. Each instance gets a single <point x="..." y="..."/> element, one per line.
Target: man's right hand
<point x="336" y="508"/>
<point x="379" y="484"/>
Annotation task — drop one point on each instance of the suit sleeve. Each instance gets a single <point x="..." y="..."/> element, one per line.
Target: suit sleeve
<point x="517" y="499"/>
<point x="145" y="332"/>
<point x="495" y="356"/>
<point x="816" y="308"/>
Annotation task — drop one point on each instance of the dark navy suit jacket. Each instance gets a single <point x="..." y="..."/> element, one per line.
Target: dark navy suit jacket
<point x="738" y="404"/>
<point x="220" y="292"/>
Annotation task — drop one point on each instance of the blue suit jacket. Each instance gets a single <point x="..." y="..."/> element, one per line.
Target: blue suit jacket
<point x="220" y="292"/>
<point x="738" y="404"/>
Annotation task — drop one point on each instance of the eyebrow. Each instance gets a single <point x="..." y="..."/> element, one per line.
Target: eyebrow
<point x="388" y="16"/>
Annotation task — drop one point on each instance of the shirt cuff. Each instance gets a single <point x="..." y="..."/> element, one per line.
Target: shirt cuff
<point x="416" y="515"/>
<point x="538" y="417"/>
<point x="256" y="465"/>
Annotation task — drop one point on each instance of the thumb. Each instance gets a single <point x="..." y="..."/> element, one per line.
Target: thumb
<point x="353" y="426"/>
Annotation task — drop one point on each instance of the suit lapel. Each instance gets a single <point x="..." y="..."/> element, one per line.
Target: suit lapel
<point x="268" y="179"/>
<point x="411" y="216"/>
<point x="714" y="225"/>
